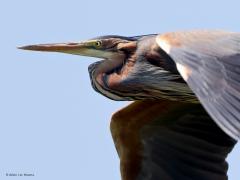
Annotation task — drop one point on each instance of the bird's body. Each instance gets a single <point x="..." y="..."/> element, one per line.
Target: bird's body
<point x="163" y="73"/>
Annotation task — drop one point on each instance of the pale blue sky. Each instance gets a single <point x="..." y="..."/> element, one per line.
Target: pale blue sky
<point x="52" y="123"/>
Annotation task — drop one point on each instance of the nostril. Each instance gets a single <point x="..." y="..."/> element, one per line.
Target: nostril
<point x="72" y="44"/>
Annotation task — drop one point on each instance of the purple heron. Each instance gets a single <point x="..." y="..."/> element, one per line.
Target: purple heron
<point x="186" y="86"/>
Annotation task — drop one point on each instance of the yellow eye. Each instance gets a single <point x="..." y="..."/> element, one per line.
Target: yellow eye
<point x="98" y="43"/>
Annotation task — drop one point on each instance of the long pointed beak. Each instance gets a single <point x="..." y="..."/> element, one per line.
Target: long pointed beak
<point x="57" y="47"/>
<point x="84" y="48"/>
<point x="81" y="48"/>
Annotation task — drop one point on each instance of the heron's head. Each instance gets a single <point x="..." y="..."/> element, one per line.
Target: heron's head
<point x="127" y="70"/>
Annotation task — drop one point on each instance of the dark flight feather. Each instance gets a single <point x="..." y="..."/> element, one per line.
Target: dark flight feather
<point x="169" y="141"/>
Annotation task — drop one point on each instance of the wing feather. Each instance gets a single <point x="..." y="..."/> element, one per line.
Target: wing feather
<point x="213" y="60"/>
<point x="166" y="140"/>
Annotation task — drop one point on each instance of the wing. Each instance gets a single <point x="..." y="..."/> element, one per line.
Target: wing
<point x="170" y="141"/>
<point x="209" y="61"/>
